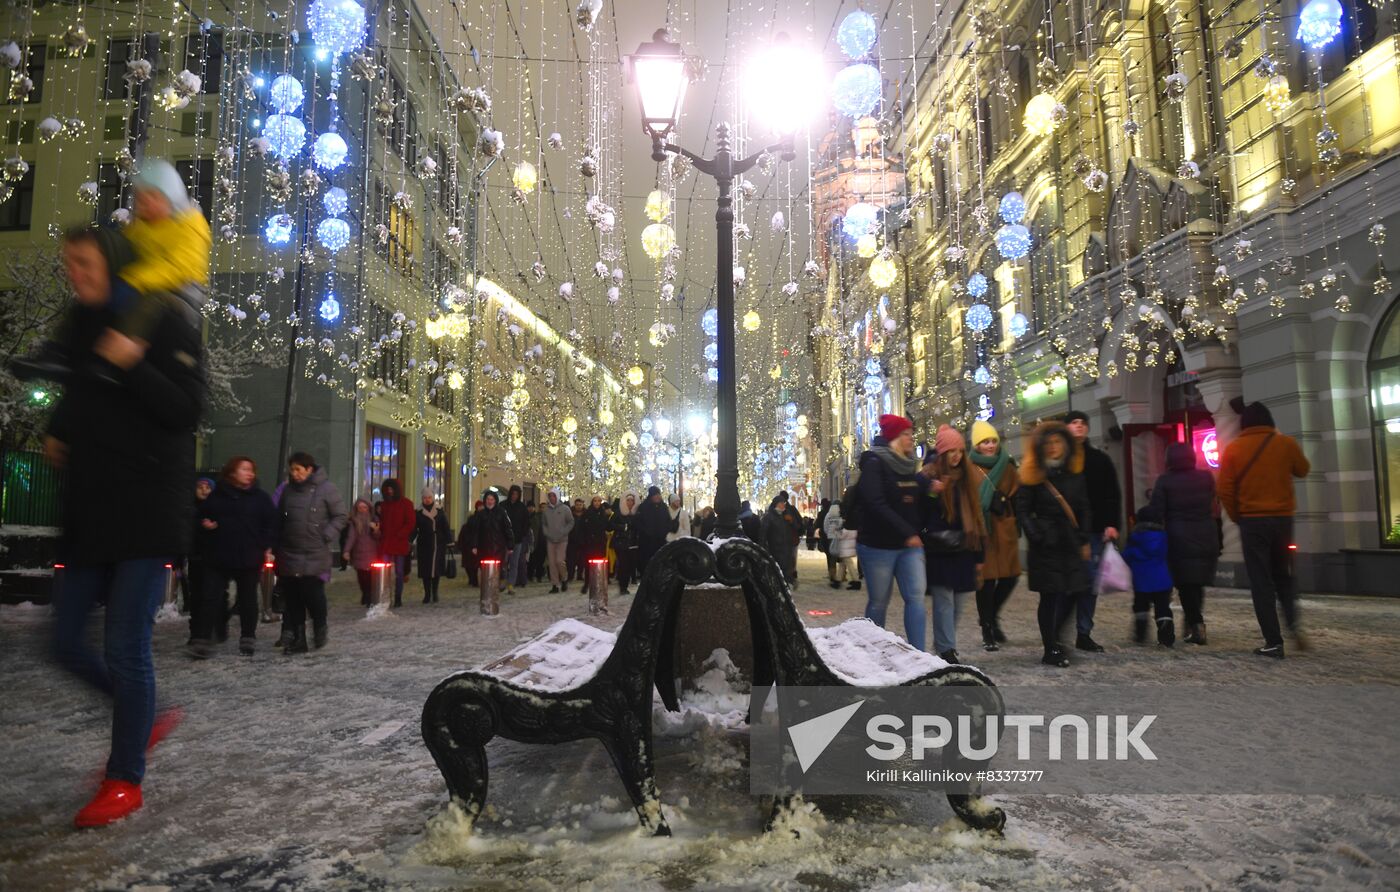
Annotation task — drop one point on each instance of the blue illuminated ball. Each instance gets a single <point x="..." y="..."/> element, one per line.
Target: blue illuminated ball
<point x="286" y="94"/>
<point x="1013" y="241"/>
<point x="856" y="89"/>
<point x="278" y="230"/>
<point x="860" y="219"/>
<point x="982" y="376"/>
<point x="329" y="151"/>
<point x="709" y="322"/>
<point x="873" y="384"/>
<point x="334" y="234"/>
<point x="1319" y="23"/>
<point x="976" y="284"/>
<point x="337" y="26"/>
<point x="857" y="34"/>
<point x="712" y="374"/>
<point x="1012" y="208"/>
<point x="335" y="201"/>
<point x="285" y="136"/>
<point x="330" y="308"/>
<point x="712" y="352"/>
<point x="1019" y="325"/>
<point x="872" y="366"/>
<point x="979" y="317"/>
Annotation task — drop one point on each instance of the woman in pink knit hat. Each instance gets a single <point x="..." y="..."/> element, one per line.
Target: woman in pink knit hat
<point x="955" y="535"/>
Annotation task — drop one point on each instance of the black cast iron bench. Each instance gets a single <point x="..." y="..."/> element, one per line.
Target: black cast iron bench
<point x="574" y="681"/>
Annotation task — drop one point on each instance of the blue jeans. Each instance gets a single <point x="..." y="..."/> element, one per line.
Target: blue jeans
<point x="517" y="554"/>
<point x="947" y="610"/>
<point x="1086" y="601"/>
<point x="882" y="568"/>
<point x="125" y="672"/>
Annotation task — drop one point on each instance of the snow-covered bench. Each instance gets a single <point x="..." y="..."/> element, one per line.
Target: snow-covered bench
<point x="574" y="681"/>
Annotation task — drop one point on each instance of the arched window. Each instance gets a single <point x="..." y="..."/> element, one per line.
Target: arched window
<point x="1384" y="368"/>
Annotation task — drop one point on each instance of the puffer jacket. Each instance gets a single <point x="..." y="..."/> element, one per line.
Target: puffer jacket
<point x="1184" y="497"/>
<point x="1054" y="557"/>
<point x="1146" y="554"/>
<point x="309" y="518"/>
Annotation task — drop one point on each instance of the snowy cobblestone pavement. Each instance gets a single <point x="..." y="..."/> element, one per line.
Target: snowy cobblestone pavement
<point x="309" y="773"/>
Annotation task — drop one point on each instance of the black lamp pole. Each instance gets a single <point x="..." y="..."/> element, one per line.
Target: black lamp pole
<point x="724" y="167"/>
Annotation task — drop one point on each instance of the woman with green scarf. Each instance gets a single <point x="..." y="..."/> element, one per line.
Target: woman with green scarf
<point x="1001" y="565"/>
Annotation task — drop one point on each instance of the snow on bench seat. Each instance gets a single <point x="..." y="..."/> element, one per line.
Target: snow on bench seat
<point x="560" y="658"/>
<point x="866" y="655"/>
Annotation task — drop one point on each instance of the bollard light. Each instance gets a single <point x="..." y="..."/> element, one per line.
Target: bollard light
<point x="490" y="587"/>
<point x="172" y="584"/>
<point x="267" y="582"/>
<point x="597" y="586"/>
<point x="379" y="573"/>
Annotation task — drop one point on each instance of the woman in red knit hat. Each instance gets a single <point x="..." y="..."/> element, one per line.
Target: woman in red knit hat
<point x="887" y="518"/>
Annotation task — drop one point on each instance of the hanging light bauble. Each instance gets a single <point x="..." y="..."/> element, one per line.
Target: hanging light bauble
<point x="856" y="90"/>
<point x="1276" y="94"/>
<point x="1012" y="208"/>
<point x="867" y="245"/>
<point x="979" y="317"/>
<point x="337" y="26"/>
<point x="857" y="33"/>
<point x="330" y="151"/>
<point x="569" y="424"/>
<point x="752" y="320"/>
<point x="1013" y="241"/>
<point x="657" y="240"/>
<point x="524" y="177"/>
<point x="658" y="206"/>
<point x="976" y="284"/>
<point x="285" y="136"/>
<point x="1019" y="325"/>
<point x="286" y="94"/>
<point x="883" y="270"/>
<point x="334" y="234"/>
<point x="1043" y="114"/>
<point x="1319" y="23"/>
<point x="635" y="376"/>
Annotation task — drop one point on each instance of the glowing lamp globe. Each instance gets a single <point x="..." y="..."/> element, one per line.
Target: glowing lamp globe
<point x="570" y="424"/>
<point x="1019" y="325"/>
<point x="1276" y="94"/>
<point x="867" y="246"/>
<point x="658" y="206"/>
<point x="286" y="94"/>
<point x="334" y="234"/>
<point x="330" y="309"/>
<point x="752" y="320"/>
<point x="781" y="86"/>
<point x="711" y="352"/>
<point x="456" y="381"/>
<point x="860" y="219"/>
<point x="1013" y="241"/>
<point x="335" y="201"/>
<point x="635" y="376"/>
<point x="982" y="376"/>
<point x="330" y="151"/>
<point x="285" y="136"/>
<point x="873" y="384"/>
<point x="883" y="271"/>
<point x="856" y="90"/>
<point x="337" y="26"/>
<point x="1319" y="23"/>
<point x="278" y="230"/>
<point x="657" y="240"/>
<point x="709" y="322"/>
<point x="646" y="441"/>
<point x="712" y="375"/>
<point x="605" y="416"/>
<point x="976" y="284"/>
<point x="979" y="317"/>
<point x="857" y="33"/>
<point x="524" y="177"/>
<point x="1042" y="115"/>
<point x="1012" y="208"/>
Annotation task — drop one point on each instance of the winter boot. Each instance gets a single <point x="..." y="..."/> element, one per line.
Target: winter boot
<point x="1166" y="631"/>
<point x="246" y="645"/>
<point x="1084" y="642"/>
<point x="989" y="639"/>
<point x="1140" y="628"/>
<point x="297" y="644"/>
<point x="1196" y="635"/>
<point x="320" y="636"/>
<point x="853" y="585"/>
<point x="835" y="584"/>
<point x="200" y="648"/>
<point x="1055" y="657"/>
<point x="998" y="633"/>
<point x="285" y="637"/>
<point x="554" y="590"/>
<point x="115" y="800"/>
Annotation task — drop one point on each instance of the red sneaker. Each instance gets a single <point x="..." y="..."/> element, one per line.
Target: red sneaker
<point x="167" y="720"/>
<point x="115" y="800"/>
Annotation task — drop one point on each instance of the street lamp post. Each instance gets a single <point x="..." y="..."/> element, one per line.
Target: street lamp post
<point x="658" y="72"/>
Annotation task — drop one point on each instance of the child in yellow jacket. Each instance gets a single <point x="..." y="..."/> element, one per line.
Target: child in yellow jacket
<point x="172" y="242"/>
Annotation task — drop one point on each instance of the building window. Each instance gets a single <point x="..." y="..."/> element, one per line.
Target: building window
<point x="15" y="213"/>
<point x="1385" y="420"/>
<point x="986" y="147"/>
<point x="437" y="458"/>
<point x="198" y="175"/>
<point x="114" y="83"/>
<point x="204" y="56"/>
<point x="403" y="239"/>
<point x="38" y="56"/>
<point x="384" y="454"/>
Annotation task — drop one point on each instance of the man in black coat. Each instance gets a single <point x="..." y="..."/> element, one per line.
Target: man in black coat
<point x="126" y="439"/>
<point x="654" y="522"/>
<point x="520" y="526"/>
<point x="1106" y="508"/>
<point x="493" y="536"/>
<point x="777" y="536"/>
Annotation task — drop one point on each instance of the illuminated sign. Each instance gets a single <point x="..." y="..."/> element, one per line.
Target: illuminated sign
<point x="984" y="408"/>
<point x="1207" y="446"/>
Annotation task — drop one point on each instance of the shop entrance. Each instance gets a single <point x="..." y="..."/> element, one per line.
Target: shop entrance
<point x="1185" y="419"/>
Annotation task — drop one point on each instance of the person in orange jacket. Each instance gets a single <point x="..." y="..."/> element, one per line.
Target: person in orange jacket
<point x="1256" y="489"/>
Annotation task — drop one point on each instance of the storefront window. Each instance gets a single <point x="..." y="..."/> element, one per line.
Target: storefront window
<point x="383" y="458"/>
<point x="1385" y="419"/>
<point x="435" y="464"/>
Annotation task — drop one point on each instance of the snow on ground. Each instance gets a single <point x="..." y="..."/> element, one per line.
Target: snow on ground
<point x="295" y="773"/>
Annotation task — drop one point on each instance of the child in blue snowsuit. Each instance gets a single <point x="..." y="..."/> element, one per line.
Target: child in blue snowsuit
<point x="1146" y="555"/>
